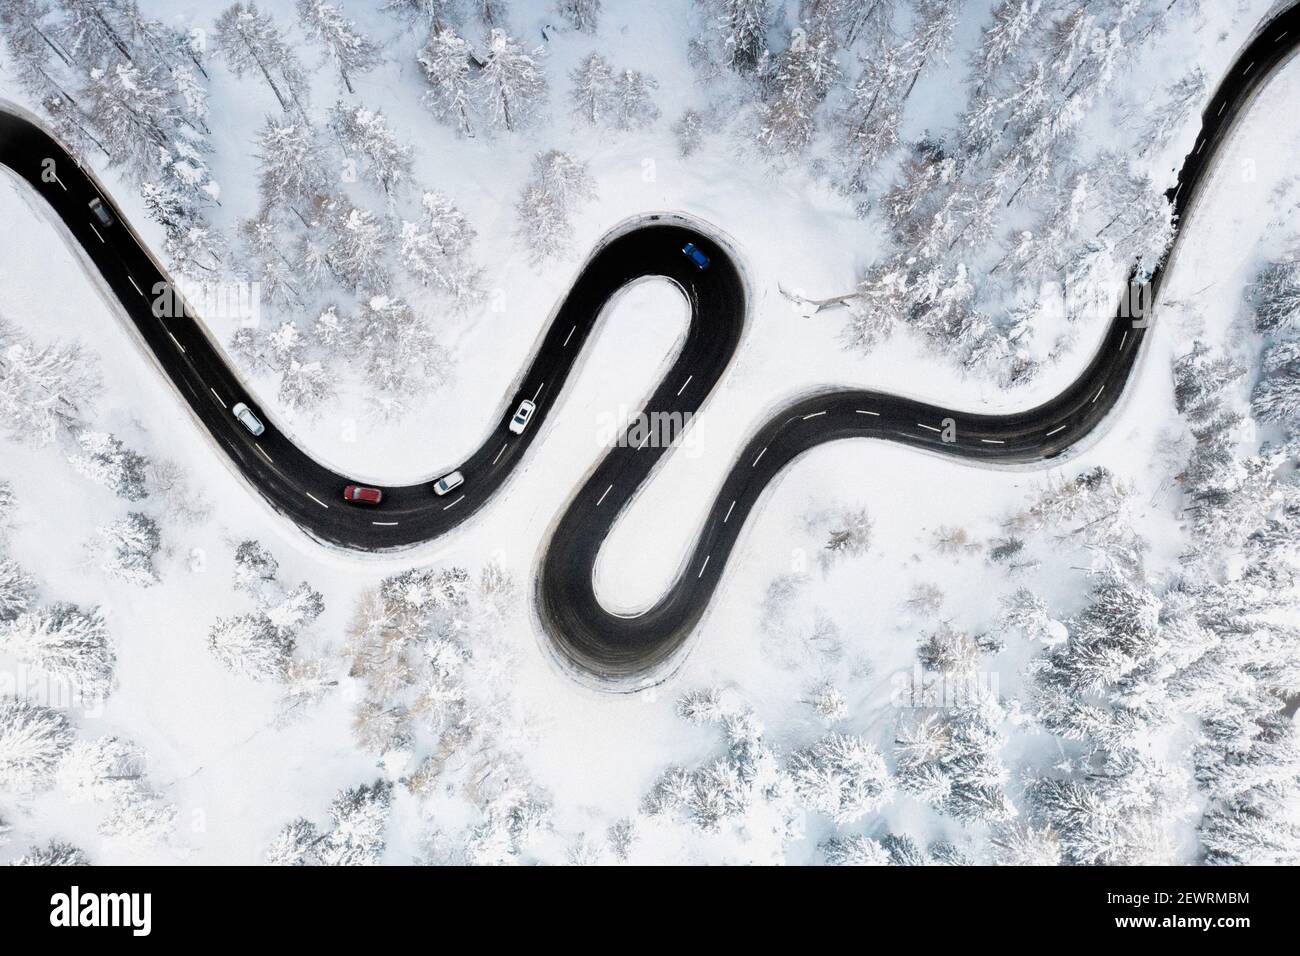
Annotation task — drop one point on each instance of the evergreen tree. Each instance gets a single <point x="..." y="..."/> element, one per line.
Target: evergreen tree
<point x="445" y="60"/>
<point x="33" y="741"/>
<point x="351" y="51"/>
<point x="250" y="42"/>
<point x="511" y="83"/>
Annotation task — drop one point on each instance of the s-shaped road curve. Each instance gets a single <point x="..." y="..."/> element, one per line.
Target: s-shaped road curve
<point x="613" y="651"/>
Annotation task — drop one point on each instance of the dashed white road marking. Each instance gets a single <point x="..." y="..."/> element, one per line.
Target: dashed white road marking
<point x="1281" y="35"/>
<point x="1059" y="428"/>
<point x="760" y="455"/>
<point x="569" y="336"/>
<point x="1200" y="146"/>
<point x="992" y="441"/>
<point x="539" y="391"/>
<point x="454" y="503"/>
<point x="1123" y="338"/>
<point x="729" y="510"/>
<point x="500" y="453"/>
<point x="643" y="442"/>
<point x="928" y="427"/>
<point x="1249" y="68"/>
<point x="317" y="500"/>
<point x="863" y="411"/>
<point x="96" y="232"/>
<point x="1098" y="395"/>
<point x="1222" y="106"/>
<point x="60" y="182"/>
<point x="264" y="454"/>
<point x="384" y="524"/>
<point x="176" y="342"/>
<point x="137" y="288"/>
<point x="813" y="415"/>
<point x="602" y="497"/>
<point x="217" y="397"/>
<point x="703" y="566"/>
<point x="685" y="383"/>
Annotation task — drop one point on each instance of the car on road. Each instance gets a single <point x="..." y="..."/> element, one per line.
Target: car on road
<point x="692" y="252"/>
<point x="448" y="483"/>
<point x="101" y="212"/>
<point x="361" y="495"/>
<point x="523" y="415"/>
<point x="248" y="419"/>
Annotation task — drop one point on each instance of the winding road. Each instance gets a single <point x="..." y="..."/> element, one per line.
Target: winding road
<point x="613" y="651"/>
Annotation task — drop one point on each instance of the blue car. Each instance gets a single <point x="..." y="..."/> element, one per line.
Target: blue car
<point x="693" y="253"/>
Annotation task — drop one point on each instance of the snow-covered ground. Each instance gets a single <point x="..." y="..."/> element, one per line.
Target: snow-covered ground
<point x="237" y="774"/>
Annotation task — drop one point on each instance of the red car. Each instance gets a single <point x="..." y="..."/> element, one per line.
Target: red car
<point x="361" y="495"/>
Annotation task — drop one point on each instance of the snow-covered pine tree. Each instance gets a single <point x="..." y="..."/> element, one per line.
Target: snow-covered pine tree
<point x="869" y="119"/>
<point x="33" y="741"/>
<point x="367" y="133"/>
<point x="132" y="113"/>
<point x="17" y="590"/>
<point x="250" y="42"/>
<point x="511" y="83"/>
<point x="359" y="815"/>
<point x="358" y="242"/>
<point x="295" y="844"/>
<point x="950" y="759"/>
<point x="842" y="776"/>
<point x="350" y="50"/>
<point x="66" y="642"/>
<point x="291" y="169"/>
<point x="689" y="130"/>
<point x="803" y="76"/>
<point x="1275" y="295"/>
<point x="579" y="14"/>
<point x="741" y="26"/>
<point x="437" y="250"/>
<point x="593" y="88"/>
<point x="255" y="568"/>
<point x="54" y="853"/>
<point x="103" y="458"/>
<point x="854" y="850"/>
<point x="1183" y="98"/>
<point x="36" y="58"/>
<point x="933" y="24"/>
<point x="432" y="15"/>
<point x="631" y="106"/>
<point x="43" y="388"/>
<point x="491" y="13"/>
<point x="559" y="182"/>
<point x="401" y="353"/>
<point x="126" y="549"/>
<point x="251" y="646"/>
<point x="193" y="248"/>
<point x="445" y="60"/>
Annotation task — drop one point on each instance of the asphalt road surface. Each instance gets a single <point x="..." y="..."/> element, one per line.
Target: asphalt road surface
<point x="610" y="650"/>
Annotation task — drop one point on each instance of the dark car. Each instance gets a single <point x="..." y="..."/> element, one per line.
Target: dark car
<point x="361" y="495"/>
<point x="102" y="214"/>
<point x="692" y="252"/>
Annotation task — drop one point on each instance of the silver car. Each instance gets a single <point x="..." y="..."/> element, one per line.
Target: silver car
<point x="248" y="419"/>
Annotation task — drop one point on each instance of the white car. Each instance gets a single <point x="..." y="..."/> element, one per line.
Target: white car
<point x="248" y="419"/>
<point x="448" y="483"/>
<point x="523" y="415"/>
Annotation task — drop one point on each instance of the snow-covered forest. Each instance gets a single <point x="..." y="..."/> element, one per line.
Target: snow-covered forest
<point x="376" y="206"/>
